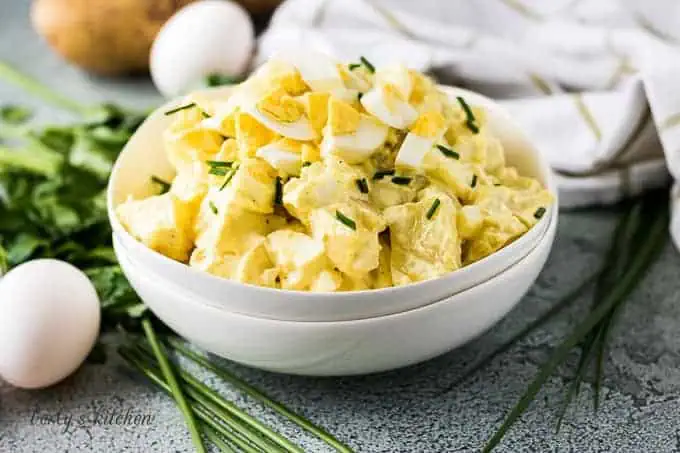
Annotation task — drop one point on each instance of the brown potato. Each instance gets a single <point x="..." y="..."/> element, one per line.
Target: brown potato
<point x="103" y="36"/>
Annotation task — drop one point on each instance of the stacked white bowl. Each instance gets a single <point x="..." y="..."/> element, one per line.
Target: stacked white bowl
<point x="328" y="333"/>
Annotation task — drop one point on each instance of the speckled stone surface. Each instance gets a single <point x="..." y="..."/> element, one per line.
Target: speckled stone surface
<point x="408" y="410"/>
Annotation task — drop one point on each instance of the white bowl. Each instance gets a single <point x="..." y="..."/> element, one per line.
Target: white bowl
<point x="144" y="156"/>
<point x="340" y="347"/>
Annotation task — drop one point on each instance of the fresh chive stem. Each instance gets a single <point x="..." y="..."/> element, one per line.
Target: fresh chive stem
<point x="278" y="191"/>
<point x="647" y="253"/>
<point x="367" y="64"/>
<point x="218" y="171"/>
<point x="32" y="86"/>
<point x="471" y="121"/>
<point x="362" y="185"/>
<point x="345" y="220"/>
<point x="175" y="388"/>
<point x="229" y="176"/>
<point x="473" y="184"/>
<point x="219" y="163"/>
<point x="540" y="212"/>
<point x="401" y="180"/>
<point x="256" y="394"/>
<point x="164" y="185"/>
<point x="448" y="152"/>
<point x="380" y="174"/>
<point x="353" y="66"/>
<point x="213" y="208"/>
<point x="433" y="208"/>
<point x="215" y="399"/>
<point x="180" y="108"/>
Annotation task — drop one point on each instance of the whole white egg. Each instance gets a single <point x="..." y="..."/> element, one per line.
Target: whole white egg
<point x="49" y="321"/>
<point x="203" y="38"/>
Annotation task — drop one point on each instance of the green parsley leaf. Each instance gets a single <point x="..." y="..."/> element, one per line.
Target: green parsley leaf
<point x="14" y="114"/>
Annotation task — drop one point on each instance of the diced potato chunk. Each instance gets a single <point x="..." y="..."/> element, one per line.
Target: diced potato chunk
<point x="162" y="223"/>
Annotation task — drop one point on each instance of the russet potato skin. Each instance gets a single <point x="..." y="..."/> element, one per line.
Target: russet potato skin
<point x="102" y="36"/>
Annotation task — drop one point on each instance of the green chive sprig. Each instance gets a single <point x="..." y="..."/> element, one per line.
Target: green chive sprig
<point x="473" y="183"/>
<point x="213" y="208"/>
<point x="162" y="184"/>
<point x="380" y="174"/>
<point x="175" y="389"/>
<point x="256" y="394"/>
<point x="471" y="121"/>
<point x="433" y="208"/>
<point x="448" y="152"/>
<point x="635" y="247"/>
<point x="540" y="212"/>
<point x="402" y="180"/>
<point x="278" y="191"/>
<point x="346" y="220"/>
<point x="180" y="108"/>
<point x="367" y="64"/>
<point x="362" y="185"/>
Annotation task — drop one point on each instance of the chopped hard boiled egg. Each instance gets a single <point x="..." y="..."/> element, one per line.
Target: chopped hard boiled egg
<point x="318" y="176"/>
<point x="388" y="104"/>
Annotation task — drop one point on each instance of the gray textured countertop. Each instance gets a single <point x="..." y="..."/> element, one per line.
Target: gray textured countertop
<point x="400" y="411"/>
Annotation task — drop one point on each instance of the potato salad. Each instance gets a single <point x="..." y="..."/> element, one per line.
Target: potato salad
<point x="314" y="175"/>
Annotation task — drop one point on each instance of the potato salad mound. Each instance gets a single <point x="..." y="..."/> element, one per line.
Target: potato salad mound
<point x="319" y="176"/>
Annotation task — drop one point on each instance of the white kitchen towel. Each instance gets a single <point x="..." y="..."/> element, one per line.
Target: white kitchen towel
<point x="595" y="83"/>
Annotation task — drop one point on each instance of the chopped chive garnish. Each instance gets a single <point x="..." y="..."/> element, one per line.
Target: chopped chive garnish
<point x="368" y="64"/>
<point x="278" y="191"/>
<point x="362" y="184"/>
<point x="433" y="208"/>
<point x="474" y="181"/>
<point x="539" y="212"/>
<point x="228" y="178"/>
<point x="217" y="171"/>
<point x="353" y="66"/>
<point x="346" y="220"/>
<point x="219" y="163"/>
<point x="401" y="180"/>
<point x="471" y="121"/>
<point x="472" y="126"/>
<point x="180" y="108"/>
<point x="164" y="185"/>
<point x="205" y="114"/>
<point x="448" y="152"/>
<point x="306" y="163"/>
<point x="382" y="173"/>
<point x="360" y="95"/>
<point x="213" y="208"/>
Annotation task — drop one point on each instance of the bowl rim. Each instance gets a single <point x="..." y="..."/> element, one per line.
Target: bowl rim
<point x="543" y="223"/>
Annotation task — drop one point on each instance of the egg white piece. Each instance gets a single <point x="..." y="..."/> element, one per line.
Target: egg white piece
<point x="318" y="70"/>
<point x="413" y="150"/>
<point x="400" y="116"/>
<point x="280" y="158"/>
<point x="203" y="38"/>
<point x="49" y="321"/>
<point x="397" y="76"/>
<point x="297" y="130"/>
<point x="357" y="146"/>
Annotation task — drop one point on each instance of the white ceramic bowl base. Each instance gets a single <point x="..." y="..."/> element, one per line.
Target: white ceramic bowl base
<point x="342" y="347"/>
<point x="144" y="156"/>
